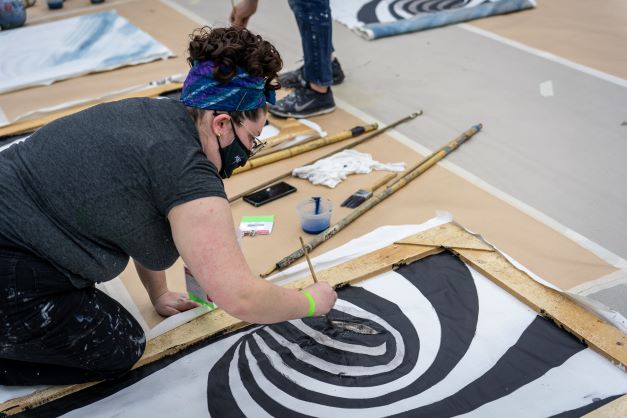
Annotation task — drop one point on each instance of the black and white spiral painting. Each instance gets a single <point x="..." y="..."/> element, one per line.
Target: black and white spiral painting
<point x="434" y="338"/>
<point x="379" y="18"/>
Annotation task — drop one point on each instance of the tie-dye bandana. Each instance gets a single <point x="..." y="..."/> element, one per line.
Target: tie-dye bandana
<point x="242" y="92"/>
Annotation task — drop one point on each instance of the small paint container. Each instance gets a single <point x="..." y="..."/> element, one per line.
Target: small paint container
<point x="315" y="214"/>
<point x="12" y="14"/>
<point x="55" y="4"/>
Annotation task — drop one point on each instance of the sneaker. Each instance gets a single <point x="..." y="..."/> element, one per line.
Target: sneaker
<point x="303" y="103"/>
<point x="294" y="79"/>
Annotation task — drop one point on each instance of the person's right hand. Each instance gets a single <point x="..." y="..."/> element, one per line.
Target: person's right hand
<point x="324" y="296"/>
<point x="242" y="12"/>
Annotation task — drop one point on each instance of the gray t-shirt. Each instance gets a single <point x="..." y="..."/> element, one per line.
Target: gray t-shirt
<point x="89" y="190"/>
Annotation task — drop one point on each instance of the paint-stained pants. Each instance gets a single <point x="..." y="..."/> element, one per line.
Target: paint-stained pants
<point x="315" y="26"/>
<point x="54" y="333"/>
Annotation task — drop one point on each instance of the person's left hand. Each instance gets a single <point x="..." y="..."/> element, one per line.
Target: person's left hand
<point x="171" y="303"/>
<point x="242" y="11"/>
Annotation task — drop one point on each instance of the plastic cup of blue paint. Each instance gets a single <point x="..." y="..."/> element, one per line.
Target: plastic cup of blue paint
<point x="315" y="214"/>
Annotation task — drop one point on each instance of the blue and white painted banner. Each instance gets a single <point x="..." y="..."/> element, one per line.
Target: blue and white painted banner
<point x="42" y="54"/>
<point x="374" y="19"/>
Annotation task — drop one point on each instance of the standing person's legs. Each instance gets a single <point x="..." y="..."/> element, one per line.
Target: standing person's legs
<point x="54" y="333"/>
<point x="314" y="96"/>
<point x="321" y="11"/>
<point x="314" y="24"/>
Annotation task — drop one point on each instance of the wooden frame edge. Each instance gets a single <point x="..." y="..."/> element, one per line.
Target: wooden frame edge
<point x="616" y="408"/>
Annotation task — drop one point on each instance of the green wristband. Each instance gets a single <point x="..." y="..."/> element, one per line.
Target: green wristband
<point x="312" y="303"/>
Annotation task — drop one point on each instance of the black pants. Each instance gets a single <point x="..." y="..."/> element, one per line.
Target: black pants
<point x="54" y="333"/>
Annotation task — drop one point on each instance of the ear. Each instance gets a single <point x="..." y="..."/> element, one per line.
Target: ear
<point x="219" y="123"/>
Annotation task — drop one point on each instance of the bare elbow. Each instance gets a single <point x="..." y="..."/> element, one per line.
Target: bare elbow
<point x="243" y="309"/>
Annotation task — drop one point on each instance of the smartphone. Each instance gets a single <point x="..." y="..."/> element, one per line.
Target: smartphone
<point x="269" y="194"/>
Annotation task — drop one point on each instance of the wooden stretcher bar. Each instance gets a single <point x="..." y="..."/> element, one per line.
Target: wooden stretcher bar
<point x="474" y="251"/>
<point x="31" y="125"/>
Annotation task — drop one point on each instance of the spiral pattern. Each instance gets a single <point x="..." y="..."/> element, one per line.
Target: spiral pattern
<point x="432" y="339"/>
<point x="304" y="367"/>
<point x="377" y="11"/>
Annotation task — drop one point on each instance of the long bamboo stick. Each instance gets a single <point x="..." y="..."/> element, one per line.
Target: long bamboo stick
<point x="351" y="145"/>
<point x="414" y="172"/>
<point x="283" y="137"/>
<point x="309" y="146"/>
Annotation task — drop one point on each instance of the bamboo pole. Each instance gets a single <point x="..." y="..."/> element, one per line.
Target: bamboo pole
<point x="287" y="136"/>
<point x="390" y="189"/>
<point x="351" y="145"/>
<point x="31" y="125"/>
<point x="309" y="146"/>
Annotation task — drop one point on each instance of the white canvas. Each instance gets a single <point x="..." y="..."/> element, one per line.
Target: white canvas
<point x="49" y="52"/>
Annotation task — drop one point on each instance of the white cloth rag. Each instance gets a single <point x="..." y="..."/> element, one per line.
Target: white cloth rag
<point x="332" y="170"/>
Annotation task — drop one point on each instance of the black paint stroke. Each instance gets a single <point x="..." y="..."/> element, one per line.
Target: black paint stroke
<point x="541" y="347"/>
<point x="367" y="13"/>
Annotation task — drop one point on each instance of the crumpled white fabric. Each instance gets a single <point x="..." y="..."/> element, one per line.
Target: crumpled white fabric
<point x="332" y="170"/>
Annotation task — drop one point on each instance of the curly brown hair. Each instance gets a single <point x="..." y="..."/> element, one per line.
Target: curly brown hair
<point x="230" y="48"/>
<point x="235" y="47"/>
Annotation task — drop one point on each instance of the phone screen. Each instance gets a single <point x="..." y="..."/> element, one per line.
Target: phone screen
<point x="269" y="194"/>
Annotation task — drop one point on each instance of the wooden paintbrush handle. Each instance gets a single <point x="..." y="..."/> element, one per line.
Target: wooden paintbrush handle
<point x="383" y="181"/>
<point x="311" y="270"/>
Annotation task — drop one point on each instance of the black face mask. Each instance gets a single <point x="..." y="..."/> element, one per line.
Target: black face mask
<point x="233" y="155"/>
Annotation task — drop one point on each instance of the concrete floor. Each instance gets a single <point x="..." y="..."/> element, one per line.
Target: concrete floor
<point x="562" y="155"/>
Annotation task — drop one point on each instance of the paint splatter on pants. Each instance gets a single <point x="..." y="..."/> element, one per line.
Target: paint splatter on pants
<point x="316" y="31"/>
<point x="54" y="333"/>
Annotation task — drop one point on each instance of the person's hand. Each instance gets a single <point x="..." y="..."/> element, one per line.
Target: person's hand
<point x="324" y="296"/>
<point x="171" y="303"/>
<point x="242" y="11"/>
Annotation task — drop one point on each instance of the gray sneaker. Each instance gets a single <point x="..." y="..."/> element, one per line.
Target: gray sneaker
<point x="294" y="79"/>
<point x="303" y="102"/>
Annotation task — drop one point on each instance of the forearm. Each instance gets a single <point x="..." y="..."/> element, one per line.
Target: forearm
<point x="264" y="303"/>
<point x="216" y="261"/>
<point x="154" y="281"/>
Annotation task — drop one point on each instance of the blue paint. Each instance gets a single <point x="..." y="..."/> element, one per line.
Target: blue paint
<point x="315" y="214"/>
<point x="92" y="28"/>
<point x="315" y="226"/>
<point x="55" y="4"/>
<point x="12" y="14"/>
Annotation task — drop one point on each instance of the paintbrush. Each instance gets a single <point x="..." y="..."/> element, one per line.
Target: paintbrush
<point x="361" y="195"/>
<point x="313" y="275"/>
<point x="338" y="325"/>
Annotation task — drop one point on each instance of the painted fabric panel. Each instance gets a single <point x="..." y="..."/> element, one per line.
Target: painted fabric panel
<point x="374" y="19"/>
<point x="43" y="54"/>
<point x="433" y="338"/>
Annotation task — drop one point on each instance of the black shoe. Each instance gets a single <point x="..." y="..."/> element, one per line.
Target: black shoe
<point x="294" y="79"/>
<point x="303" y="103"/>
